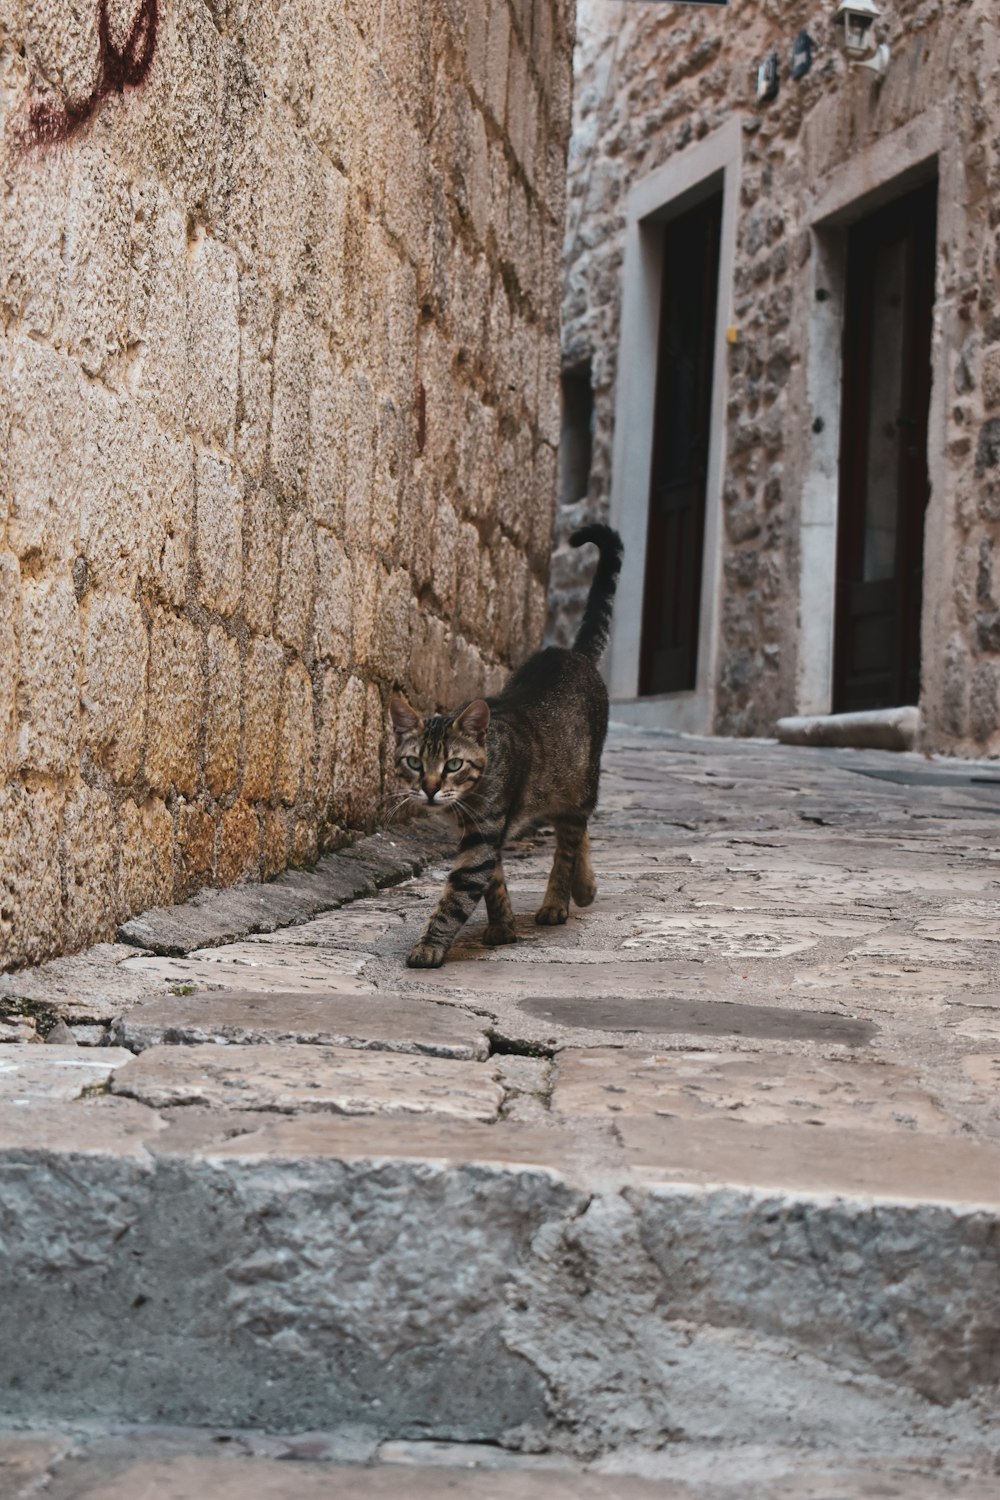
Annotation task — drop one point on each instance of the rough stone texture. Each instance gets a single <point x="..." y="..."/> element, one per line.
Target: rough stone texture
<point x="304" y="1077"/>
<point x="380" y="1022"/>
<point x="185" y="1464"/>
<point x="652" y="81"/>
<point x="257" y="310"/>
<point x="758" y="1261"/>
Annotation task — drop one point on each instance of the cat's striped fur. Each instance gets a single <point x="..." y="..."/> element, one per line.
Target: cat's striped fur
<point x="501" y="764"/>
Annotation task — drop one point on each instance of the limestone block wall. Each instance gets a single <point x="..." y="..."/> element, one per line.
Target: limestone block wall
<point x="651" y="82"/>
<point x="279" y="289"/>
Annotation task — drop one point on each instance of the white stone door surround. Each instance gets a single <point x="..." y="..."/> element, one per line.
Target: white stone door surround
<point x="687" y="179"/>
<point x="872" y="176"/>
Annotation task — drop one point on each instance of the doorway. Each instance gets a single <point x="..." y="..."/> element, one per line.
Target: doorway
<point x="668" y="658"/>
<point x="884" y="485"/>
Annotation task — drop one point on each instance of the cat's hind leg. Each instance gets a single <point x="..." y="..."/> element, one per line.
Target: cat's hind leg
<point x="499" y="911"/>
<point x="583" y="887"/>
<point x="571" y="831"/>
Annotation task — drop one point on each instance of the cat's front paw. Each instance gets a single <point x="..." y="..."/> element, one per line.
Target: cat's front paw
<point x="425" y="956"/>
<point x="551" y="915"/>
<point x="496" y="937"/>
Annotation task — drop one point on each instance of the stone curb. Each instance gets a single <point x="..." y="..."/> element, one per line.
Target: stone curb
<point x="213" y="918"/>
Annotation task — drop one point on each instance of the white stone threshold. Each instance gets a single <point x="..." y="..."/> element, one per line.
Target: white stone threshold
<point x="877" y="729"/>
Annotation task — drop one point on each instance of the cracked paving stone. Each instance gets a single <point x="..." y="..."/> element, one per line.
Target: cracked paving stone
<point x="692" y="1086"/>
<point x="289" y="1079"/>
<point x="392" y="1023"/>
<point x="261" y="967"/>
<point x="38" y="1075"/>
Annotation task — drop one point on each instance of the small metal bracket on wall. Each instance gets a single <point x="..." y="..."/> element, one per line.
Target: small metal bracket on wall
<point x="768" y="79"/>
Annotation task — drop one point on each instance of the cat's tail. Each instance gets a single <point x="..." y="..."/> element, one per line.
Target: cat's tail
<point x="592" y="637"/>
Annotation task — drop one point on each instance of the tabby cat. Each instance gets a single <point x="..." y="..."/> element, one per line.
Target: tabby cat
<point x="500" y="764"/>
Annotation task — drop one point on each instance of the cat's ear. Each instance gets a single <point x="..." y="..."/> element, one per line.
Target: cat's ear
<point x="405" y="720"/>
<point x="474" y="720"/>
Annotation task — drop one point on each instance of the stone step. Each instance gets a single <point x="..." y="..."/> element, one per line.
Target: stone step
<point x="625" y="1262"/>
<point x="189" y="1465"/>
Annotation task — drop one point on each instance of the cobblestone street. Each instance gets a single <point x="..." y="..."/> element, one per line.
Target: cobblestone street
<point x="702" y="1187"/>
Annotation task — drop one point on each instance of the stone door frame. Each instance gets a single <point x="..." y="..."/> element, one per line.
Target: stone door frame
<point x="684" y="181"/>
<point x="873" y="176"/>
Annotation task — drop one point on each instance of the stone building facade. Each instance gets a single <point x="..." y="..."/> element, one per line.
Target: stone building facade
<point x="810" y="186"/>
<point x="279" y="289"/>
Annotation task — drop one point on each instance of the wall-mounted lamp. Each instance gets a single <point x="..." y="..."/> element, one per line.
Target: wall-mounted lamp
<point x="858" y="39"/>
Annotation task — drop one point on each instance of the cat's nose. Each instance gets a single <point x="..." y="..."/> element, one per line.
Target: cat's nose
<point x="431" y="789"/>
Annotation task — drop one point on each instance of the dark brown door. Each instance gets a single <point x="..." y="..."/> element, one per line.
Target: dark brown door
<point x="672" y="596"/>
<point x="884" y="485"/>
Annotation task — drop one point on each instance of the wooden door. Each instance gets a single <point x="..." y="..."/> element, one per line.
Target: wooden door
<point x="884" y="484"/>
<point x="668" y="659"/>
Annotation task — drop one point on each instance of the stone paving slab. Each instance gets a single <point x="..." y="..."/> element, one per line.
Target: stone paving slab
<point x="264" y="968"/>
<point x="809" y="1092"/>
<point x="871" y="1164"/>
<point x="36" y="1075"/>
<point x="179" y="1465"/>
<point x="660" y="1015"/>
<point x="301" y="1077"/>
<point x="391" y="1023"/>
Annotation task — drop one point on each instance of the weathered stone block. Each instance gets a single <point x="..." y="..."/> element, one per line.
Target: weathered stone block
<point x="297" y="584"/>
<point x="326" y="739"/>
<point x="497" y="54"/>
<point x="360" y="469"/>
<point x="348" y="795"/>
<point x="31" y="915"/>
<point x="213" y="339"/>
<point x="219" y="512"/>
<point x="88" y="864"/>
<point x="239" y="845"/>
<point x="262" y="677"/>
<point x="161" y="341"/>
<point x="364" y="606"/>
<point x="168" y="519"/>
<point x="261" y="553"/>
<point x="194" y="835"/>
<point x="222" y="712"/>
<point x="296" y="736"/>
<point x="175" y="704"/>
<point x="334" y="601"/>
<point x="31" y="233"/>
<point x="10" y="614"/>
<point x="48" y="694"/>
<point x="146" y="856"/>
<point x="256" y="324"/>
<point x="391" y="637"/>
<point x="293" y="347"/>
<point x="274" y="855"/>
<point x="94" y="286"/>
<point x="391" y="466"/>
<point x="326" y="477"/>
<point x="116" y="654"/>
<point x="991" y="379"/>
<point x="44" y="436"/>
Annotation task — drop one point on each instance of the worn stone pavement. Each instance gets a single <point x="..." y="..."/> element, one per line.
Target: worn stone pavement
<point x="701" y="1190"/>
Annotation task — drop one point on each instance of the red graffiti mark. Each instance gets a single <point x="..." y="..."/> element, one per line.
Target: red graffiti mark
<point x="118" y="69"/>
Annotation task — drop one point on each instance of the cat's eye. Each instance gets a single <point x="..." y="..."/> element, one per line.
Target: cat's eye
<point x="414" y="763"/>
<point x="455" y="764"/>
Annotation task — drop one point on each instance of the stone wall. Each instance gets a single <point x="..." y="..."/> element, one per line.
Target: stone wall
<point x="278" y="416"/>
<point x="651" y="81"/>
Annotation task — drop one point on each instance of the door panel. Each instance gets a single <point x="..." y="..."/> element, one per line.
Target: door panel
<point x="884" y="485"/>
<point x="682" y="430"/>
